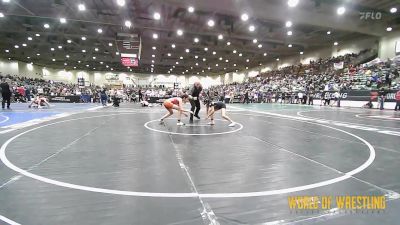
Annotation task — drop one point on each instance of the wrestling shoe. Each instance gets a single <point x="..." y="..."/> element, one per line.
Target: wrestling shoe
<point x="197" y="116"/>
<point x="211" y="123"/>
<point x="180" y="124"/>
<point x="232" y="124"/>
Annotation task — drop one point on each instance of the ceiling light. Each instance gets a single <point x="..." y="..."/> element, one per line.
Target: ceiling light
<point x="197" y="64"/>
<point x="1" y="15"/>
<point x="247" y="60"/>
<point x="6" y="1"/>
<point x="240" y="54"/>
<point x="179" y="32"/>
<point x="154" y="47"/>
<point x="265" y="54"/>
<point x="81" y="7"/>
<point x="204" y="59"/>
<point x="99" y="30"/>
<point x="205" y="49"/>
<point x="65" y="64"/>
<point x="226" y="60"/>
<point x="169" y="54"/>
<point x="293" y="3"/>
<point x="260" y="46"/>
<point x="79" y="61"/>
<point x="214" y="53"/>
<point x="83" y="38"/>
<point x="16" y="46"/>
<point x="60" y="47"/>
<point x="196" y="40"/>
<point x="196" y="56"/>
<point x="255" y="41"/>
<point x="7" y="50"/>
<point x="288" y="24"/>
<point x="83" y="50"/>
<point x="117" y="53"/>
<point x="191" y="9"/>
<point x="252" y="28"/>
<point x="289" y="33"/>
<point x="301" y="53"/>
<point x="181" y="58"/>
<point x="211" y="23"/>
<point x="187" y="50"/>
<point x="389" y="29"/>
<point x="155" y="36"/>
<point x="69" y="41"/>
<point x="393" y="10"/>
<point x="37" y="35"/>
<point x="173" y="45"/>
<point x="341" y="10"/>
<point x="228" y="43"/>
<point x="96" y="49"/>
<point x="101" y="63"/>
<point x="328" y="32"/>
<point x="244" y="17"/>
<point x="247" y="67"/>
<point x="220" y="37"/>
<point x="29" y="39"/>
<point x="74" y="67"/>
<point x="63" y="20"/>
<point x="220" y="58"/>
<point x="24" y="45"/>
<point x="234" y="51"/>
<point x="67" y="56"/>
<point x="157" y="16"/>
<point x="277" y="59"/>
<point x="46" y="25"/>
<point x="54" y="60"/>
<point x="52" y="49"/>
<point x="128" y="23"/>
<point x="152" y="61"/>
<point x="153" y="56"/>
<point x="121" y="2"/>
<point x="335" y="43"/>
<point x="234" y="64"/>
<point x="177" y="63"/>
<point x="216" y="65"/>
<point x="110" y="44"/>
<point x="209" y="68"/>
<point x="289" y="45"/>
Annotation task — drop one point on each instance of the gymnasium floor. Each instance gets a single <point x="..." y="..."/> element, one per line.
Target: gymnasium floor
<point x="83" y="164"/>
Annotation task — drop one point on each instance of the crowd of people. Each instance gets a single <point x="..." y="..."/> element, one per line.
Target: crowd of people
<point x="292" y="84"/>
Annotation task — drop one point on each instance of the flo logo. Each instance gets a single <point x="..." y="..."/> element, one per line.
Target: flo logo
<point x="370" y="15"/>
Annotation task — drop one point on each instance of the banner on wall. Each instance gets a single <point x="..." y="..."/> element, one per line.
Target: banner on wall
<point x="111" y="77"/>
<point x="358" y="95"/>
<point x="338" y="66"/>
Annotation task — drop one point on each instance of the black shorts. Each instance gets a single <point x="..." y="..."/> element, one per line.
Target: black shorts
<point x="219" y="105"/>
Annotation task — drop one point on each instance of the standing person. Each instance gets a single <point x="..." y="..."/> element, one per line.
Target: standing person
<point x="103" y="97"/>
<point x="6" y="94"/>
<point x="219" y="106"/>
<point x="246" y="97"/>
<point x="177" y="104"/>
<point x="382" y="95"/>
<point x="140" y="95"/>
<point x="397" y="97"/>
<point x="311" y="98"/>
<point x="195" y="100"/>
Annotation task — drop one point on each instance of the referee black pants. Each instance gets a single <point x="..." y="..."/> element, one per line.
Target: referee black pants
<point x="195" y="108"/>
<point x="6" y="98"/>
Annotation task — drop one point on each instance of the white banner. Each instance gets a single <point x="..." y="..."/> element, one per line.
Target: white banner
<point x="338" y="66"/>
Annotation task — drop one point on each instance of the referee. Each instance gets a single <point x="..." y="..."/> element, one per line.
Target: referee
<point x="6" y="94"/>
<point x="194" y="100"/>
